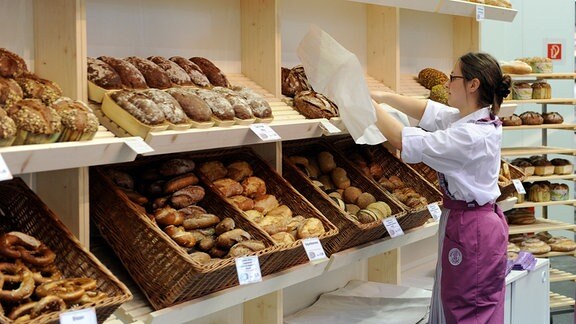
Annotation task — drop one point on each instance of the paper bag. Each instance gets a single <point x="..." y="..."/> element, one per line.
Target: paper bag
<point x="335" y="72"/>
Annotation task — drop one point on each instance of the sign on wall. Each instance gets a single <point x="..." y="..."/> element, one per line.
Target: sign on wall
<point x="554" y="51"/>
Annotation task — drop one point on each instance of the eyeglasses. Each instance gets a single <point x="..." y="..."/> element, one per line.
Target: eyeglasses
<point x="452" y="77"/>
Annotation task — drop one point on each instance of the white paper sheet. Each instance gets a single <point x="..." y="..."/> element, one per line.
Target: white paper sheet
<point x="336" y="72"/>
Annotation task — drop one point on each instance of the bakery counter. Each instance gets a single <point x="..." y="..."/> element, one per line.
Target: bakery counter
<point x="536" y="150"/>
<point x="103" y="149"/>
<point x="541" y="225"/>
<point x="449" y="7"/>
<point x="570" y="202"/>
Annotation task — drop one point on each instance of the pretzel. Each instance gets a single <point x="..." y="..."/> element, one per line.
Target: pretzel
<point x="22" y="312"/>
<point x="24" y="290"/>
<point x="18" y="245"/>
<point x="45" y="274"/>
<point x="11" y="271"/>
<point x="48" y="304"/>
<point x="42" y="256"/>
<point x="92" y="297"/>
<point x="69" y="290"/>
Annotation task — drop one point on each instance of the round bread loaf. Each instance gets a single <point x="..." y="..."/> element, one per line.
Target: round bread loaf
<point x="521" y="91"/>
<point x="531" y="118"/>
<point x="212" y="72"/>
<point x="192" y="105"/>
<point x="155" y="76"/>
<point x="534" y="246"/>
<point x="36" y="122"/>
<point x="512" y="120"/>
<point x="553" y="118"/>
<point x="78" y="121"/>
<point x="315" y="105"/>
<point x="34" y="87"/>
<point x="194" y="71"/>
<point x="11" y="64"/>
<point x="541" y="90"/>
<point x="131" y="77"/>
<point x="176" y="74"/>
<point x="429" y="77"/>
<point x="294" y="81"/>
<point x="103" y="75"/>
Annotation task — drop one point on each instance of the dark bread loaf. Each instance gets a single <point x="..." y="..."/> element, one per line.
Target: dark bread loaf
<point x="10" y="92"/>
<point x="176" y="74"/>
<point x="194" y="107"/>
<point x="512" y="120"/>
<point x="221" y="108"/>
<point x="260" y="107"/>
<point x="239" y="104"/>
<point x="34" y="87"/>
<point x="168" y="105"/>
<point x="155" y="76"/>
<point x="131" y="77"/>
<point x="314" y="105"/>
<point x="294" y="81"/>
<point x="553" y="118"/>
<point x="11" y="64"/>
<point x="212" y="72"/>
<point x="139" y="105"/>
<point x="194" y="71"/>
<point x="103" y="75"/>
<point x="33" y="116"/>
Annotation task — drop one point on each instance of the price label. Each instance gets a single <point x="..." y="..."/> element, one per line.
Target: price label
<point x="248" y="269"/>
<point x="314" y="249"/>
<point x="81" y="316"/>
<point x="5" y="173"/>
<point x="479" y="13"/>
<point x="329" y="128"/>
<point x="265" y="132"/>
<point x="435" y="211"/>
<point x="392" y="226"/>
<point x="519" y="187"/>
<point x="138" y="145"/>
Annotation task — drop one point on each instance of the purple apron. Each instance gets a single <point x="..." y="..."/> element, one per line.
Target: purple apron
<point x="472" y="263"/>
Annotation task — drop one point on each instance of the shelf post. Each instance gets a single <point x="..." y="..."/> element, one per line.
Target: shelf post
<point x="385" y="267"/>
<point x="383" y="43"/>
<point x="265" y="309"/>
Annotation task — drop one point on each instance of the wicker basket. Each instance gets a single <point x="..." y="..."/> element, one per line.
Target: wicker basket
<point x="21" y="210"/>
<point x="352" y="233"/>
<point x="162" y="269"/>
<point x="288" y="255"/>
<point x="507" y="189"/>
<point x="393" y="166"/>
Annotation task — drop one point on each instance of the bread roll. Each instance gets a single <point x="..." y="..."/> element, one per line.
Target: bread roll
<point x="187" y="196"/>
<point x="515" y="67"/>
<point x="103" y="75"/>
<point x="213" y="170"/>
<point x="228" y="187"/>
<point x="253" y="187"/>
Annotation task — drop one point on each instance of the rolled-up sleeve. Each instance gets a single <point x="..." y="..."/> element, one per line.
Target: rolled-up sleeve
<point x="412" y="144"/>
<point x="438" y="116"/>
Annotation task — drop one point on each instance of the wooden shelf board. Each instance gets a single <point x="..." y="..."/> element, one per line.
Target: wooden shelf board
<point x="514" y="151"/>
<point x="540" y="225"/>
<point x="103" y="149"/>
<point x="543" y="126"/>
<point x="557" y="300"/>
<point x="555" y="101"/>
<point x="409" y="86"/>
<point x="545" y="203"/>
<point x="533" y="178"/>
<point x="559" y="275"/>
<point x="554" y="254"/>
<point x="541" y="76"/>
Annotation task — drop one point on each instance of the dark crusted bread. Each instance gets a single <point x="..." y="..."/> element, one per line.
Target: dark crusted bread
<point x="294" y="81"/>
<point x="10" y="92"/>
<point x="314" y="105"/>
<point x="176" y="74"/>
<point x="11" y="64"/>
<point x="35" y="117"/>
<point x="131" y="77"/>
<point x="239" y="104"/>
<point x="155" y="76"/>
<point x="260" y="107"/>
<point x="103" y="75"/>
<point x="168" y="105"/>
<point x="139" y="105"/>
<point x="212" y="72"/>
<point x="34" y="87"/>
<point x="193" y="70"/>
<point x="194" y="107"/>
<point x="221" y="108"/>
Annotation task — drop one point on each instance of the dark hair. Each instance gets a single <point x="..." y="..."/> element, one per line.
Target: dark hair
<point x="494" y="86"/>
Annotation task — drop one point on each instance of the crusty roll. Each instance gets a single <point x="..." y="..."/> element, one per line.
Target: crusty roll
<point x="228" y="187"/>
<point x="187" y="196"/>
<point x="515" y="67"/>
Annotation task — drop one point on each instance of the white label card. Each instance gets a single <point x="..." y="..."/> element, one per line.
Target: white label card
<point x="5" y="173"/>
<point x="329" y="128"/>
<point x="518" y="185"/>
<point x="265" y="132"/>
<point x="81" y="316"/>
<point x="435" y="211"/>
<point x="392" y="226"/>
<point x="248" y="269"/>
<point x="314" y="249"/>
<point x="138" y="145"/>
<point x="479" y="13"/>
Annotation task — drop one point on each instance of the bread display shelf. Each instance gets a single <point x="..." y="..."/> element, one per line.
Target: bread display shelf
<point x="409" y="86"/>
<point x="103" y="149"/>
<point x="542" y="76"/>
<point x="559" y="301"/>
<point x="559" y="275"/>
<point x="545" y="203"/>
<point x="551" y="177"/>
<point x="541" y="225"/>
<point x="555" y="101"/>
<point x="535" y="150"/>
<point x="543" y="126"/>
<point x="138" y="310"/>
<point x="450" y="7"/>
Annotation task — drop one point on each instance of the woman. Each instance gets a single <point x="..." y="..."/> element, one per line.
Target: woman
<point x="462" y="142"/>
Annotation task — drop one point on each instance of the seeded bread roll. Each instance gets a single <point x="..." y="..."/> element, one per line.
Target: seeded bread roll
<point x="192" y="105"/>
<point x="11" y="64"/>
<point x="168" y="105"/>
<point x="176" y="74"/>
<point x="212" y="72"/>
<point x="78" y="121"/>
<point x="430" y="77"/>
<point x="36" y="122"/>
<point x="155" y="77"/>
<point x="34" y="87"/>
<point x="103" y="75"/>
<point x="194" y="71"/>
<point x="10" y="92"/>
<point x="131" y="77"/>
<point x="7" y="129"/>
<point x="139" y="106"/>
<point x="315" y="105"/>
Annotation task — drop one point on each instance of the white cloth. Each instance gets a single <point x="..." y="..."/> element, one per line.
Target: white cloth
<point x="335" y="72"/>
<point x="468" y="153"/>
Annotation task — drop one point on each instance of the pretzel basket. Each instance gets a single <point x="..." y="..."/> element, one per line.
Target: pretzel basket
<point x="163" y="270"/>
<point x="507" y="187"/>
<point x="22" y="210"/>
<point x="352" y="232"/>
<point x="392" y="166"/>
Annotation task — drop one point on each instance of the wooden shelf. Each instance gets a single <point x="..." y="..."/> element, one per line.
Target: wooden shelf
<point x="559" y="275"/>
<point x="525" y="204"/>
<point x="103" y="149"/>
<point x="543" y="126"/>
<point x="559" y="301"/>
<point x="541" y="225"/>
<point x="450" y="7"/>
<point x="555" y="101"/>
<point x="542" y="76"/>
<point x="551" y="177"/>
<point x="536" y="150"/>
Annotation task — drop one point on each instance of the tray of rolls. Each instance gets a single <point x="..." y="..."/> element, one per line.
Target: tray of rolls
<point x="174" y="234"/>
<point x="412" y="190"/>
<point x="347" y="198"/>
<point x="44" y="269"/>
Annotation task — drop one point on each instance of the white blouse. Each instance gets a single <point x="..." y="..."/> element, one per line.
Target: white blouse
<point x="466" y="152"/>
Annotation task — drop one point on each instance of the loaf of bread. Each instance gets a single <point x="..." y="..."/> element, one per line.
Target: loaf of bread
<point x="512" y="120"/>
<point x="239" y="104"/>
<point x="562" y="166"/>
<point x="429" y="77"/>
<point x="212" y="72"/>
<point x="194" y="72"/>
<point x="139" y="105"/>
<point x="552" y="118"/>
<point x="315" y="105"/>
<point x="11" y="64"/>
<point x="78" y="121"/>
<point x="515" y="67"/>
<point x="131" y="77"/>
<point x="10" y="92"/>
<point x="192" y="105"/>
<point x="168" y="105"/>
<point x="7" y="129"/>
<point x="521" y="91"/>
<point x="155" y="76"/>
<point x="294" y="81"/>
<point x="36" y="122"/>
<point x="221" y="108"/>
<point x="176" y="74"/>
<point x="531" y="118"/>
<point x="34" y="87"/>
<point x="103" y="75"/>
<point x="259" y="106"/>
